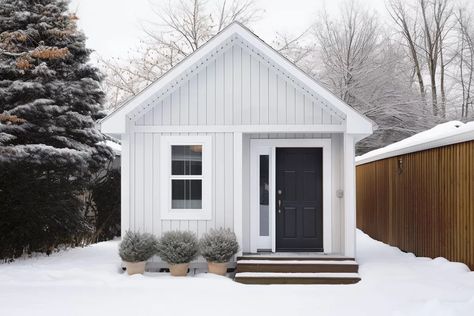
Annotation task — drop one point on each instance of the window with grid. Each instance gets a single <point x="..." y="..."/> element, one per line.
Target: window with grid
<point x="186" y="177"/>
<point x="186" y="181"/>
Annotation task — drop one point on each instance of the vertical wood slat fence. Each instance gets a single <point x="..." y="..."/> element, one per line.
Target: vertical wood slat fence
<point x="421" y="202"/>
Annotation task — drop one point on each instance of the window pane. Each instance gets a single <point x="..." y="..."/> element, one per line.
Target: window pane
<point x="264" y="196"/>
<point x="186" y="194"/>
<point x="186" y="160"/>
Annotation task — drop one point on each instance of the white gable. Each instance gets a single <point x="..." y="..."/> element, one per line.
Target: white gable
<point x="235" y="79"/>
<point x="238" y="87"/>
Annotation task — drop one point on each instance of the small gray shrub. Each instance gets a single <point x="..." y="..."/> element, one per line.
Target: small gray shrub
<point x="136" y="247"/>
<point x="218" y="245"/>
<point x="177" y="247"/>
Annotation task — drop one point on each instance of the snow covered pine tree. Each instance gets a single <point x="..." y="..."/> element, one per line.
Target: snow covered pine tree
<point x="49" y="147"/>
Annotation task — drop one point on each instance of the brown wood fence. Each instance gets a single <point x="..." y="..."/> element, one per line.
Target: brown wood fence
<point x="421" y="202"/>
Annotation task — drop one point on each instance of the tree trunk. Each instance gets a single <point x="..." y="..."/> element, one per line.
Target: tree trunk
<point x="442" y="87"/>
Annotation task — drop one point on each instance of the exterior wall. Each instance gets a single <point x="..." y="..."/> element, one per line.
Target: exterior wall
<point x="143" y="211"/>
<point x="237" y="88"/>
<point x="145" y="184"/>
<point x="421" y="202"/>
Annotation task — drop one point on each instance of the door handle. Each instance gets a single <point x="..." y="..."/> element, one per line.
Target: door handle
<point x="279" y="206"/>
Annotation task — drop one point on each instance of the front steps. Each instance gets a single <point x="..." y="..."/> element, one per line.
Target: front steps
<point x="280" y="269"/>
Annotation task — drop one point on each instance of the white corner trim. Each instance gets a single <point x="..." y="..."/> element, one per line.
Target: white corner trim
<point x="349" y="197"/>
<point x="165" y="165"/>
<point x="125" y="185"/>
<point x="238" y="195"/>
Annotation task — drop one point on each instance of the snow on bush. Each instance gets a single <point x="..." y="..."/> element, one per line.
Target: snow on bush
<point x="219" y="245"/>
<point x="136" y="247"/>
<point x="178" y="247"/>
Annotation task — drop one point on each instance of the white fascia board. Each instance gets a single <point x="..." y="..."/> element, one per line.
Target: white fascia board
<point x="356" y="126"/>
<point x="113" y="124"/>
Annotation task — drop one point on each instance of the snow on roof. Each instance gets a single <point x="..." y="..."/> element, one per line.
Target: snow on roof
<point x="117" y="148"/>
<point x="441" y="135"/>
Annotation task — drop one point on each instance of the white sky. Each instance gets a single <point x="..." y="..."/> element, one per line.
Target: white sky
<point x="113" y="27"/>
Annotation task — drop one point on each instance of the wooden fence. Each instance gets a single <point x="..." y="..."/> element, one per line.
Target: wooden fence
<point x="421" y="202"/>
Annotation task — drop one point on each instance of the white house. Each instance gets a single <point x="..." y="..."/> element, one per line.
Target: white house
<point x="237" y="136"/>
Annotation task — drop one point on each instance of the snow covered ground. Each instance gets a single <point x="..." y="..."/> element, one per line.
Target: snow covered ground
<point x="87" y="282"/>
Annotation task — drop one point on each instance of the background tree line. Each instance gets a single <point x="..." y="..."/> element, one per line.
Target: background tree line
<point x="407" y="68"/>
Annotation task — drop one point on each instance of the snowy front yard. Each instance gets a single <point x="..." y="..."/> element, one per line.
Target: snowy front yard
<point x="87" y="282"/>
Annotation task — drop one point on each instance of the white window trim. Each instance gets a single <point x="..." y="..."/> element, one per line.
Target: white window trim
<point x="167" y="213"/>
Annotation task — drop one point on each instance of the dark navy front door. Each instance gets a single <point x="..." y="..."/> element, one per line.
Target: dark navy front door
<point x="299" y="199"/>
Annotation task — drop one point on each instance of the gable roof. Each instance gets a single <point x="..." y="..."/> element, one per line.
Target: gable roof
<point x="115" y="122"/>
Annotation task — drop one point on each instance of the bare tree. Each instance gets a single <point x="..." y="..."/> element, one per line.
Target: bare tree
<point x="436" y="14"/>
<point x="466" y="59"/>
<point x="366" y="70"/>
<point x="348" y="47"/>
<point x="296" y="48"/>
<point x="425" y="25"/>
<point x="181" y="28"/>
<point x="409" y="30"/>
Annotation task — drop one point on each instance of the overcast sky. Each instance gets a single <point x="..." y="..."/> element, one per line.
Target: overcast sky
<point x="113" y="27"/>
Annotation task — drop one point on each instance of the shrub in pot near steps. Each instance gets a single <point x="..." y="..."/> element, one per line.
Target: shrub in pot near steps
<point x="135" y="249"/>
<point x="218" y="247"/>
<point x="178" y="249"/>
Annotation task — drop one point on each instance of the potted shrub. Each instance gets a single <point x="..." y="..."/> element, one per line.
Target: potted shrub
<point x="135" y="249"/>
<point x="178" y="249"/>
<point x="218" y="247"/>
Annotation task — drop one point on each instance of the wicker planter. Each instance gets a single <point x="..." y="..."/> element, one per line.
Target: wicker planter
<point x="180" y="269"/>
<point x="217" y="268"/>
<point x="135" y="267"/>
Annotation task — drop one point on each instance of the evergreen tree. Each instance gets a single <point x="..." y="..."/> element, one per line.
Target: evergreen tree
<point x="50" y="98"/>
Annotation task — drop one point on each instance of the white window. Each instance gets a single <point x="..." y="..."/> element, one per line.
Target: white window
<point x="186" y="177"/>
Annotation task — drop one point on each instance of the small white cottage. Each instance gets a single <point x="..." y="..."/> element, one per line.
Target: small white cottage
<point x="237" y="136"/>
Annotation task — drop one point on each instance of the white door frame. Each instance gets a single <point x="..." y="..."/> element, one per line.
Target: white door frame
<point x="268" y="147"/>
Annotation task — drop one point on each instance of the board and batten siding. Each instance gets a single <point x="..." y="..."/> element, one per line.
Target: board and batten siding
<point x="145" y="175"/>
<point x="238" y="88"/>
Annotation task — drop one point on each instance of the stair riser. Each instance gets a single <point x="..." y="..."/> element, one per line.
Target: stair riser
<point x="297" y="268"/>
<point x="290" y="280"/>
<point x="302" y="258"/>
